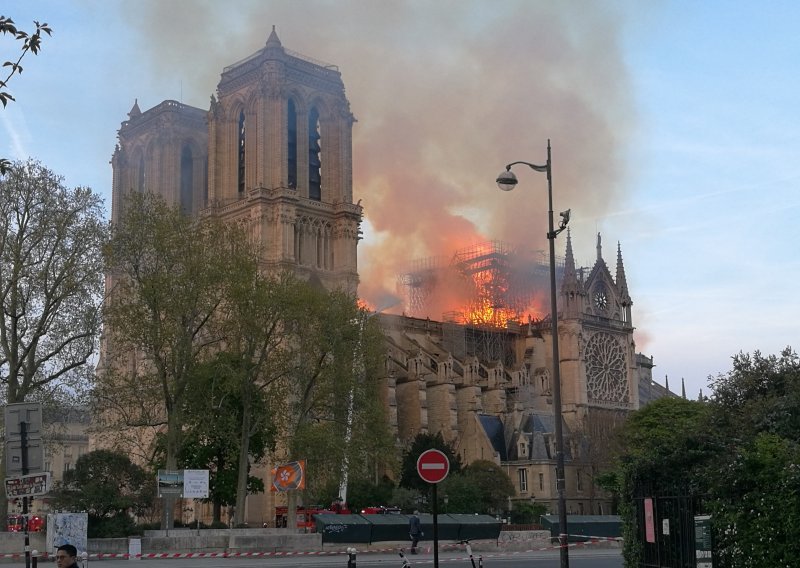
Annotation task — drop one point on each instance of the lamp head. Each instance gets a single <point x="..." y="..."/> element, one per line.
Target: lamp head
<point x="507" y="180"/>
<point x="565" y="218"/>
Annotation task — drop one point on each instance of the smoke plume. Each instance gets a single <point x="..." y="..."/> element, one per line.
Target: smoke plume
<point x="446" y="94"/>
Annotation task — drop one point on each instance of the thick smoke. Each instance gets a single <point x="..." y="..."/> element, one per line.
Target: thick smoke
<point x="445" y="93"/>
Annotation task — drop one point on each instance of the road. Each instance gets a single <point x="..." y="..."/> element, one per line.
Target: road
<point x="579" y="558"/>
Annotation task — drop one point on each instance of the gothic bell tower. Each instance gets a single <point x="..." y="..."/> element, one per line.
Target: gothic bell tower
<point x="273" y="154"/>
<point x="280" y="163"/>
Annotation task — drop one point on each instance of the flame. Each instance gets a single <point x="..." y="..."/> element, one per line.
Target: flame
<point x="487" y="285"/>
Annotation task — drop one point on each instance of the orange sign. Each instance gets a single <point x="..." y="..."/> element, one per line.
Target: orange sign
<point x="289" y="476"/>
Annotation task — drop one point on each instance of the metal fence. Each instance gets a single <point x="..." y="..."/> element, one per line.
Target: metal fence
<point x="670" y="540"/>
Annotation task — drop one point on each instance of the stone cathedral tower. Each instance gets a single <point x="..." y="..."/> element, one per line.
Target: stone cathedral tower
<point x="273" y="153"/>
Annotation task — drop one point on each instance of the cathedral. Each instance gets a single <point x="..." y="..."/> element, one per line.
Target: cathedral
<point x="273" y="152"/>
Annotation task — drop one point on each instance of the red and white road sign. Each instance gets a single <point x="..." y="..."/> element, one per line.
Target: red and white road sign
<point x="433" y="466"/>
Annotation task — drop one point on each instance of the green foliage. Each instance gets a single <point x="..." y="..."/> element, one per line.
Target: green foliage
<point x="527" y="513"/>
<point x="665" y="442"/>
<point x="213" y="417"/>
<point x="51" y="282"/>
<point x="168" y="273"/>
<point x="739" y="451"/>
<point x="755" y="504"/>
<point x="480" y="487"/>
<point x="366" y="493"/>
<point x="109" y="488"/>
<point x="338" y="416"/>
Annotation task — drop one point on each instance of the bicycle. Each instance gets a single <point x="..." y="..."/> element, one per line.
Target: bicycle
<point x="471" y="557"/>
<point x="406" y="563"/>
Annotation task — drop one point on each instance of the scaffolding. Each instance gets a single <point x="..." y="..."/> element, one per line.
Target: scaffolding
<point x="483" y="292"/>
<point x="486" y="285"/>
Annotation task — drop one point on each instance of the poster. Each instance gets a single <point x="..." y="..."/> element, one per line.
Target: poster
<point x="195" y="483"/>
<point x="67" y="528"/>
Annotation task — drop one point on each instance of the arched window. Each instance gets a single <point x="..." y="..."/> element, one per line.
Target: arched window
<point x="314" y="157"/>
<point x="140" y="184"/>
<point x="241" y="147"/>
<point x="187" y="179"/>
<point x="291" y="164"/>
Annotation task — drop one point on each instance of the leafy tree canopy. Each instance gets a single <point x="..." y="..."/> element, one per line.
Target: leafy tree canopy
<point x="105" y="484"/>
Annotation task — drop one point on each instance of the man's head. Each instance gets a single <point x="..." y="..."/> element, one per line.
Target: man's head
<point x="65" y="555"/>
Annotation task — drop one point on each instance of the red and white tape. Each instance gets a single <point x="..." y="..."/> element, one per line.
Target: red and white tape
<point x="101" y="555"/>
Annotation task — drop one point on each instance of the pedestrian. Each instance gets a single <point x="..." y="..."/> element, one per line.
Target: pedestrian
<point x="67" y="556"/>
<point x="414" y="531"/>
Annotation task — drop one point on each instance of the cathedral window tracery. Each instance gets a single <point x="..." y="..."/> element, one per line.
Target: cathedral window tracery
<point x="606" y="370"/>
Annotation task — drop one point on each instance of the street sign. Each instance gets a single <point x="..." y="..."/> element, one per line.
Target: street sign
<point x="433" y="466"/>
<point x="28" y="485"/>
<point x="23" y="418"/>
<point x="170" y="482"/>
<point x="195" y="484"/>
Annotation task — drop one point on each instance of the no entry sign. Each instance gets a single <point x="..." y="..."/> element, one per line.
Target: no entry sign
<point x="433" y="466"/>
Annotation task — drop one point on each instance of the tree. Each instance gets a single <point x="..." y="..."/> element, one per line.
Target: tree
<point x="110" y="488"/>
<point x="167" y="278"/>
<point x="51" y="285"/>
<point x="260" y="322"/>
<point x="754" y="485"/>
<point x="213" y="422"/>
<point x="597" y="440"/>
<point x="30" y="43"/>
<point x="480" y="487"/>
<point x="738" y="451"/>
<point x="50" y="281"/>
<point x="336" y="411"/>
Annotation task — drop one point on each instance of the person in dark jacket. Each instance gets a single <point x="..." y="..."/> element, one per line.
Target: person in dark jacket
<point x="414" y="531"/>
<point x="67" y="556"/>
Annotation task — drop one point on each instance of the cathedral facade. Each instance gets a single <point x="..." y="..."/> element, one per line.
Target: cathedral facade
<point x="273" y="153"/>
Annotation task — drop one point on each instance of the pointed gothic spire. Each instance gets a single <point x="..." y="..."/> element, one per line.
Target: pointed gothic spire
<point x="272" y="40"/>
<point x="683" y="389"/>
<point x="569" y="281"/>
<point x="622" y="281"/>
<point x="599" y="248"/>
<point x="666" y="382"/>
<point x="135" y="110"/>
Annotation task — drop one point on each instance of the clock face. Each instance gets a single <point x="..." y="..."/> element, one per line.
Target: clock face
<point x="600" y="300"/>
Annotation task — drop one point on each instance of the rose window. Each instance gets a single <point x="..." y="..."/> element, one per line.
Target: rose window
<point x="606" y="372"/>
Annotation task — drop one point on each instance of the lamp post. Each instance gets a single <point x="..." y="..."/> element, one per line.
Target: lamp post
<point x="507" y="181"/>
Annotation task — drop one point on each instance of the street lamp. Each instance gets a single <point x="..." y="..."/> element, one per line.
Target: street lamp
<point x="507" y="181"/>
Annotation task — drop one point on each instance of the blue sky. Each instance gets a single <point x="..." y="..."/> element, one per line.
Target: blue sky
<point x="674" y="128"/>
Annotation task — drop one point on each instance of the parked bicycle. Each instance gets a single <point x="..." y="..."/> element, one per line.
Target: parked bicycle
<point x="406" y="563"/>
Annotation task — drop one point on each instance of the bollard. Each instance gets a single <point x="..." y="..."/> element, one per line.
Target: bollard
<point x="480" y="561"/>
<point x="351" y="558"/>
<point x="84" y="558"/>
<point x="34" y="558"/>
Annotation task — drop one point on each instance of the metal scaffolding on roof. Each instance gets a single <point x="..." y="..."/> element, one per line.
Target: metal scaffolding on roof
<point x="486" y="285"/>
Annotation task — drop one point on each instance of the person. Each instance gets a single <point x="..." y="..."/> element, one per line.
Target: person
<point x="414" y="531"/>
<point x="67" y="556"/>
